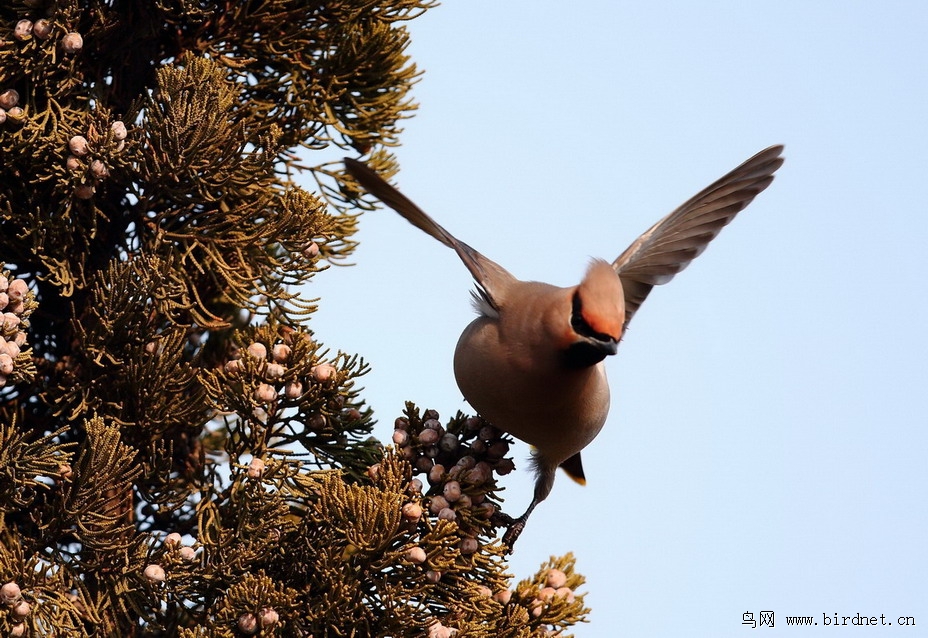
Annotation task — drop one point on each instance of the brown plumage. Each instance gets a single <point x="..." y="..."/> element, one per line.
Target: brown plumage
<point x="531" y="363"/>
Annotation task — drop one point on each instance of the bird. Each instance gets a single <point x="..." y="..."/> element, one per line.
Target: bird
<point x="532" y="362"/>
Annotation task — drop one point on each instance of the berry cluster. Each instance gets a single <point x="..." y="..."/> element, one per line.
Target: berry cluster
<point x="458" y="461"/>
<point x="250" y="624"/>
<point x="89" y="167"/>
<point x="555" y="585"/>
<point x="9" y="106"/>
<point x="11" y="596"/>
<point x="42" y="29"/>
<point x="71" y="41"/>
<point x="555" y="588"/>
<point x="438" y="630"/>
<point x="459" y="464"/>
<point x="174" y="541"/>
<point x="16" y="303"/>
<point x="155" y="573"/>
<point x="271" y="368"/>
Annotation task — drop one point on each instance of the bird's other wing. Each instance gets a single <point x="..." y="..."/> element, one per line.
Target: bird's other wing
<point x="492" y="279"/>
<point x="672" y="243"/>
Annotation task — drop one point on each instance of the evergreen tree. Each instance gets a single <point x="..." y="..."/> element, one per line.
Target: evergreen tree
<point x="179" y="454"/>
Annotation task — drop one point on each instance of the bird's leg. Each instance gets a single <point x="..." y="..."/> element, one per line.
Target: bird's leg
<point x="516" y="525"/>
<point x="545" y="473"/>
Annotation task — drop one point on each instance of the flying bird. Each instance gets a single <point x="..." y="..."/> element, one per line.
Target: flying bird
<point x="531" y="363"/>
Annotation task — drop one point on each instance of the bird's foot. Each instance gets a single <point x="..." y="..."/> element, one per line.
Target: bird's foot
<point x="514" y="527"/>
<point x="501" y="519"/>
<point x="512" y="534"/>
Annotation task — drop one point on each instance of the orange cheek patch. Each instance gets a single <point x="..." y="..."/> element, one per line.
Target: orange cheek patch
<point x="609" y="325"/>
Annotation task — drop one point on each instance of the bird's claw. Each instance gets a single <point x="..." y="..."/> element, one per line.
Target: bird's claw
<point x="514" y="527"/>
<point x="512" y="534"/>
<point x="501" y="519"/>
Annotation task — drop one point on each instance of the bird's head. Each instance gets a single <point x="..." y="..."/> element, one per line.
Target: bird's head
<point x="597" y="316"/>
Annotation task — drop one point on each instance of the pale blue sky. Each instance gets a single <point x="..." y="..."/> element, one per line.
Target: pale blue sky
<point x="767" y="444"/>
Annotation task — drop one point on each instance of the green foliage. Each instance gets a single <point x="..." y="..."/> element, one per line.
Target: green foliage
<point x="180" y="455"/>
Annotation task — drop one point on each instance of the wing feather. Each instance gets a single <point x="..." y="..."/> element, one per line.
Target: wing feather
<point x="492" y="279"/>
<point x="671" y="244"/>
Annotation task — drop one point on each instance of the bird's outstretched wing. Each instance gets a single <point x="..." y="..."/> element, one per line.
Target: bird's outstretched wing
<point x="672" y="243"/>
<point x="492" y="279"/>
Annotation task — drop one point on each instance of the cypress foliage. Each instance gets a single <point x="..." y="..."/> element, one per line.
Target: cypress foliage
<point x="179" y="454"/>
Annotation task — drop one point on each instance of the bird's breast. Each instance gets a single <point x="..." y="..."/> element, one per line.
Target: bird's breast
<point x="526" y="391"/>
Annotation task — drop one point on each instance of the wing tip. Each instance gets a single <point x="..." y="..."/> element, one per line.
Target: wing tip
<point x="772" y="151"/>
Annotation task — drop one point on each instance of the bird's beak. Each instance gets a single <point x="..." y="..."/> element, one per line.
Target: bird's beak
<point x="609" y="347"/>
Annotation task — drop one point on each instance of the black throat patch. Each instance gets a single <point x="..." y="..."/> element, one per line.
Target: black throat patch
<point x="583" y="354"/>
